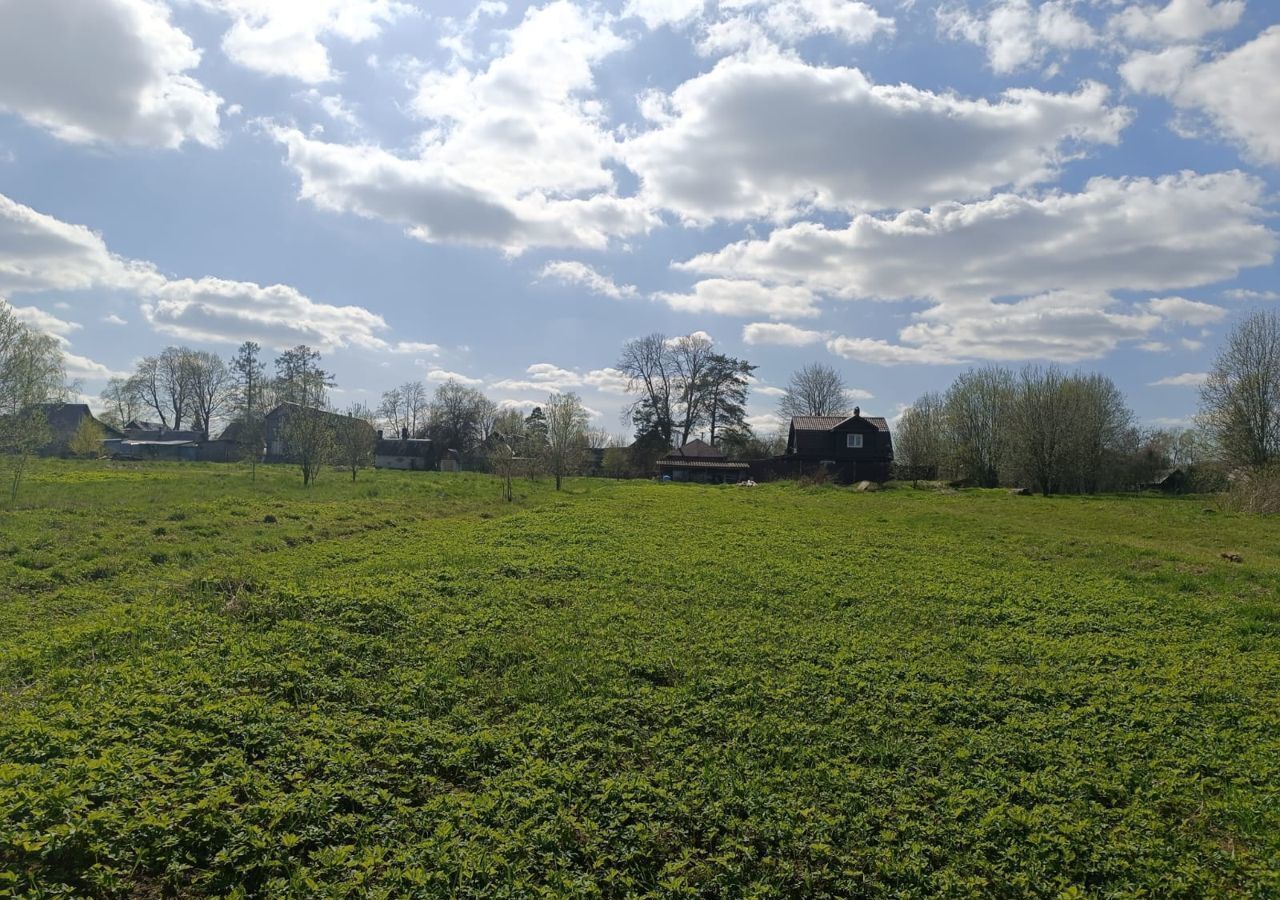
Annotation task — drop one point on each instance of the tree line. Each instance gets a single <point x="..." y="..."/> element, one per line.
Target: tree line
<point x="183" y="386"/>
<point x="1072" y="432"/>
<point x="682" y="387"/>
<point x="1038" y="426"/>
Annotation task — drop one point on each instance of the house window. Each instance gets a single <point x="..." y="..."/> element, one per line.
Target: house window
<point x="853" y="441"/>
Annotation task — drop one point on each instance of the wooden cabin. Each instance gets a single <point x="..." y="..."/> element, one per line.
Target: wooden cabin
<point x="850" y="448"/>
<point x="698" y="461"/>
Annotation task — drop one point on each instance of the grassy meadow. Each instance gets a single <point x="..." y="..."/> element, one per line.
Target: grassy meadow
<point x="404" y="687"/>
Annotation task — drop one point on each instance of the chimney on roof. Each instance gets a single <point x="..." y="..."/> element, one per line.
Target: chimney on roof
<point x="404" y="434"/>
<point x="379" y="434"/>
<point x="857" y="410"/>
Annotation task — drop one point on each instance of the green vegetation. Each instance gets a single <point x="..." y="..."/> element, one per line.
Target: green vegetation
<point x="407" y="687"/>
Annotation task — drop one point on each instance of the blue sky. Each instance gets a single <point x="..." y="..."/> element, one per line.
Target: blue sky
<point x="506" y="192"/>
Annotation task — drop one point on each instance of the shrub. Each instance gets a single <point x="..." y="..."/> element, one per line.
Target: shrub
<point x="1255" y="491"/>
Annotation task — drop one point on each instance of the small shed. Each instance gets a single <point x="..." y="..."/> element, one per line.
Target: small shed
<point x="451" y="461"/>
<point x="698" y="461"/>
<point x="404" y="452"/>
<point x="1168" y="481"/>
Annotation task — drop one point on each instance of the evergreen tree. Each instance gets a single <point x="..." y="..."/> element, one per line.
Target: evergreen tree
<point x="249" y="376"/>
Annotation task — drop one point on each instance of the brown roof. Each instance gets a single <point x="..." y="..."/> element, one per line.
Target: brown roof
<point x="826" y="423"/>
<point x="700" y="464"/>
<point x="696" y="449"/>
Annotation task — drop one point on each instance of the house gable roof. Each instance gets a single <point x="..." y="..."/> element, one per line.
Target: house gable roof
<point x="64" y="418"/>
<point x="695" y="463"/>
<point x="142" y="425"/>
<point x="833" y="423"/>
<point x="419" y="448"/>
<point x="696" y="449"/>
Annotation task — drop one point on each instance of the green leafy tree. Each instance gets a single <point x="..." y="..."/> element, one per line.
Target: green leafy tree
<point x="299" y="378"/>
<point x="87" y="440"/>
<point x="31" y="374"/>
<point x="724" y="391"/>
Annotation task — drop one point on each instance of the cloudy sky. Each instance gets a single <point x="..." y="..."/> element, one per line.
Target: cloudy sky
<point x="505" y="193"/>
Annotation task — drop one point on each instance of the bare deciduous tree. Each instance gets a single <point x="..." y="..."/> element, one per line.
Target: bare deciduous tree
<point x="1102" y="429"/>
<point x="308" y="434"/>
<point x="920" y="441"/>
<point x="815" y="390"/>
<point x="208" y="388"/>
<point x="456" y="412"/>
<point x="681" y="384"/>
<point x="488" y="415"/>
<point x="566" y="435"/>
<point x="505" y="460"/>
<point x="307" y="431"/>
<point x="354" y="439"/>
<point x="1240" y="401"/>
<point x="508" y="424"/>
<point x="1040" y="423"/>
<point x="650" y="374"/>
<point x="691" y="359"/>
<point x="120" y="401"/>
<point x="392" y="413"/>
<point x="417" y="407"/>
<point x="977" y="407"/>
<point x="163" y="384"/>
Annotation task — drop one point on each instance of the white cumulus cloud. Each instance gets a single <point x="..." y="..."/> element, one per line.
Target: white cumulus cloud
<point x="1238" y="91"/>
<point x="1186" y="379"/>
<point x="733" y="297"/>
<point x="104" y="71"/>
<point x="579" y="273"/>
<point x="39" y="253"/>
<point x="1178" y="20"/>
<point x="1017" y="33"/>
<point x="1187" y="312"/>
<point x="1022" y="277"/>
<point x="771" y="135"/>
<point x="288" y="37"/>
<point x="781" y="333"/>
<point x="442" y="375"/>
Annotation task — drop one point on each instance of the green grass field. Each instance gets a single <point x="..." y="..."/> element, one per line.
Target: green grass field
<point x="404" y="687"/>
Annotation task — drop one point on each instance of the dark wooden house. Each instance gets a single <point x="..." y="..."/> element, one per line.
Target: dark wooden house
<point x="699" y="461"/>
<point x="64" y="420"/>
<point x="404" y="452"/>
<point x="849" y="448"/>
<point x="275" y="430"/>
<point x="1169" y="481"/>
